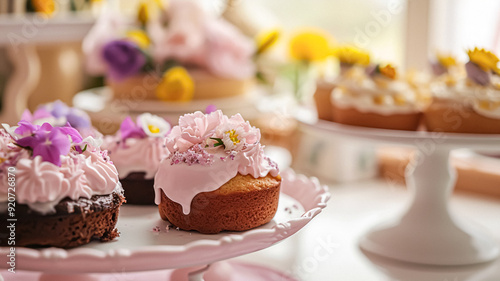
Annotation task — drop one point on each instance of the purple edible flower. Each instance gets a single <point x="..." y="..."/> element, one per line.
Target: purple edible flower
<point x="59" y="109"/>
<point x="26" y="128"/>
<point x="48" y="142"/>
<point x="371" y="70"/>
<point x="210" y="108"/>
<point x="476" y="74"/>
<point x="72" y="132"/>
<point x="77" y="118"/>
<point x="438" y="69"/>
<point x="124" y="59"/>
<point x="129" y="129"/>
<point x="38" y="114"/>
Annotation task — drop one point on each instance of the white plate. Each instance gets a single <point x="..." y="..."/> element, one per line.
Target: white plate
<point x="141" y="248"/>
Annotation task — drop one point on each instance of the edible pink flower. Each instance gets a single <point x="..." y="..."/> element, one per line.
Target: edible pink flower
<point x="194" y="128"/>
<point x="106" y="29"/>
<point x="229" y="53"/>
<point x="184" y="38"/>
<point x="130" y="129"/>
<point x="40" y="113"/>
<point x="48" y="142"/>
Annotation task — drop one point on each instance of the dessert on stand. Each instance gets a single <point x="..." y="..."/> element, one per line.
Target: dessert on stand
<point x="148" y="243"/>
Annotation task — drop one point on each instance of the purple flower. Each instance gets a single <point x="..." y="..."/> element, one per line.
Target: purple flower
<point x="438" y="69"/>
<point x="210" y="108"/>
<point x="58" y="109"/>
<point x="40" y="113"/>
<point x="48" y="142"/>
<point x="476" y="74"/>
<point x="76" y="117"/>
<point x="72" y="132"/>
<point x="26" y="128"/>
<point x="129" y="129"/>
<point x="123" y="58"/>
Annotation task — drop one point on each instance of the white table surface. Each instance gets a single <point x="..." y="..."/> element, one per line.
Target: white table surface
<point x="327" y="248"/>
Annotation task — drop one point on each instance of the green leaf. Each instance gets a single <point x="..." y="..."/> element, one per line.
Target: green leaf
<point x="218" y="143"/>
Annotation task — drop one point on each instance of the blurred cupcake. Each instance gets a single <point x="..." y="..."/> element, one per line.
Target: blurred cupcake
<point x="467" y="103"/>
<point x="136" y="150"/>
<point x="352" y="61"/>
<point x="377" y="99"/>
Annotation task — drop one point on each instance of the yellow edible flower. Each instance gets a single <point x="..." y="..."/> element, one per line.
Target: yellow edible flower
<point x="46" y="7"/>
<point x="352" y="55"/>
<point x="266" y="40"/>
<point x="446" y="61"/>
<point x="143" y="14"/>
<point x="484" y="59"/>
<point x="176" y="85"/>
<point x="310" y="45"/>
<point x="388" y="71"/>
<point x="139" y="37"/>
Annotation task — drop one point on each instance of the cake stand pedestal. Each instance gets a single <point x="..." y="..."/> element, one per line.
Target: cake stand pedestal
<point x="427" y="232"/>
<point x="148" y="243"/>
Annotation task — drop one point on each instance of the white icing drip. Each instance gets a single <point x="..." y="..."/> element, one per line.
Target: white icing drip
<point x="182" y="182"/>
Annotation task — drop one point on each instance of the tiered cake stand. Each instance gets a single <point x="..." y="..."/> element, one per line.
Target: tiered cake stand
<point x="427" y="232"/>
<point x="149" y="243"/>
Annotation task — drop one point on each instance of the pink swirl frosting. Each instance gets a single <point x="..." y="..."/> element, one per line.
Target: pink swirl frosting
<point x="136" y="155"/>
<point x="41" y="185"/>
<point x="228" y="146"/>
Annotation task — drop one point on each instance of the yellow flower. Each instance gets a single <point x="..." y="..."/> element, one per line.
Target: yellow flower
<point x="176" y="85"/>
<point x="139" y="37"/>
<point x="446" y="61"/>
<point x="310" y="45"/>
<point x="266" y="40"/>
<point x="388" y="71"/>
<point x="352" y="55"/>
<point x="143" y="13"/>
<point x="484" y="59"/>
<point x="44" y="6"/>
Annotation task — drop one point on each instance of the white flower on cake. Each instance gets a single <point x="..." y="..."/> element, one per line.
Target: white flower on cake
<point x="153" y="125"/>
<point x="235" y="133"/>
<point x="91" y="141"/>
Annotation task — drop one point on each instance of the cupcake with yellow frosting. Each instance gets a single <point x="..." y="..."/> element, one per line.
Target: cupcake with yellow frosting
<point x="377" y="98"/>
<point x="468" y="103"/>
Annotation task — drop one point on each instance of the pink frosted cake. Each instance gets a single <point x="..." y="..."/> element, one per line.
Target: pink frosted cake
<point x="136" y="150"/>
<point x="216" y="176"/>
<point x="62" y="189"/>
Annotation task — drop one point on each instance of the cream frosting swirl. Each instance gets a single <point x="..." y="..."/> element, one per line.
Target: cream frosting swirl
<point x="41" y="185"/>
<point x="385" y="97"/>
<point x="218" y="150"/>
<point x="484" y="100"/>
<point x="136" y="155"/>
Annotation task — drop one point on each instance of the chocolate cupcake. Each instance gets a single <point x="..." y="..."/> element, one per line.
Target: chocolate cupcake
<point x="136" y="150"/>
<point x="62" y="190"/>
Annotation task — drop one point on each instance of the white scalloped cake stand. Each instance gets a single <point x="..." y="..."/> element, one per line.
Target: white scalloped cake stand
<point x="149" y="243"/>
<point x="427" y="232"/>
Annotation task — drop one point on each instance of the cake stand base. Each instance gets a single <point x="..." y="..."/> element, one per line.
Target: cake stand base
<point x="220" y="271"/>
<point x="428" y="233"/>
